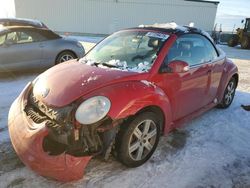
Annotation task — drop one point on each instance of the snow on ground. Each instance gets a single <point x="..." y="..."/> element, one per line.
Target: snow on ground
<point x="9" y="90"/>
<point x="211" y="151"/>
<point x="236" y="52"/>
<point x="87" y="42"/>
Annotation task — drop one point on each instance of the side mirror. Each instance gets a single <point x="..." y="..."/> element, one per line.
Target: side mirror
<point x="178" y="66"/>
<point x="242" y="21"/>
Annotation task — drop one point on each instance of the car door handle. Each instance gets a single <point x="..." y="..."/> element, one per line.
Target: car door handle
<point x="41" y="45"/>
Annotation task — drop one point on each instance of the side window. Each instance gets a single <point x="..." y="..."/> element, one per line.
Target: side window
<point x="193" y="49"/>
<point x="29" y="36"/>
<point x="24" y="38"/>
<point x="11" y="38"/>
<point x="20" y="37"/>
<point x="211" y="53"/>
<point x="2" y="39"/>
<point x="36" y="36"/>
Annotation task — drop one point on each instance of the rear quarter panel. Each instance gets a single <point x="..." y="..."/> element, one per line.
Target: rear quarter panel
<point x="230" y="69"/>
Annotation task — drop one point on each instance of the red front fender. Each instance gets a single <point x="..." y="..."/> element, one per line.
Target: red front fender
<point x="130" y="97"/>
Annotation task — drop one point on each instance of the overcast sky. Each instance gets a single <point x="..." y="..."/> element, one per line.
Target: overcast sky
<point x="231" y="12"/>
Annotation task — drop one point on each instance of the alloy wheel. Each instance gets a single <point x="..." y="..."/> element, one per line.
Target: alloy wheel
<point x="66" y="57"/>
<point x="229" y="93"/>
<point x="142" y="140"/>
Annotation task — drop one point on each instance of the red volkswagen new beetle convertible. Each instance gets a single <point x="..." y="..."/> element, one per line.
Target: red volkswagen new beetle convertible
<point x="132" y="87"/>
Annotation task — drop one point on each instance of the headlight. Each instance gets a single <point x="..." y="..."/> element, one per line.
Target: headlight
<point x="93" y="110"/>
<point x="40" y="88"/>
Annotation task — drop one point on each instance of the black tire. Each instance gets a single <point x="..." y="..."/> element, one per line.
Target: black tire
<point x="228" y="94"/>
<point x="135" y="146"/>
<point x="65" y="56"/>
<point x="233" y="41"/>
<point x="245" y="43"/>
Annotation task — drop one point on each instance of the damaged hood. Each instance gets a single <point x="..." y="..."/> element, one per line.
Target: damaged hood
<point x="65" y="83"/>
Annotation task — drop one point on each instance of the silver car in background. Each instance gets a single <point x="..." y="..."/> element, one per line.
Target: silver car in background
<point x="25" y="48"/>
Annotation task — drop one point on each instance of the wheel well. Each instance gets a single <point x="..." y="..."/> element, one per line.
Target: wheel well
<point x="236" y="77"/>
<point x="65" y="51"/>
<point x="158" y="112"/>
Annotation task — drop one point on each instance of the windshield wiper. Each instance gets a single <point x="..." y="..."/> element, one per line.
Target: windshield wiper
<point x="99" y="63"/>
<point x="88" y="61"/>
<point x="96" y="64"/>
<point x="109" y="65"/>
<point x="104" y="64"/>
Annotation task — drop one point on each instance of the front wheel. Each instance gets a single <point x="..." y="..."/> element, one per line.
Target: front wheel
<point x="245" y="43"/>
<point x="65" y="56"/>
<point x="138" y="140"/>
<point x="228" y="94"/>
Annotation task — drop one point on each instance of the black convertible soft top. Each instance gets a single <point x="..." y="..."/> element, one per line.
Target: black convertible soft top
<point x="173" y="28"/>
<point x="22" y="22"/>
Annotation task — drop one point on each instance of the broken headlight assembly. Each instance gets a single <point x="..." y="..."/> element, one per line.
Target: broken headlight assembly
<point x="92" y="110"/>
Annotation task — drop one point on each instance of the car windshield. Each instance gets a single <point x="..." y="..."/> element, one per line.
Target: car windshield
<point x="127" y="50"/>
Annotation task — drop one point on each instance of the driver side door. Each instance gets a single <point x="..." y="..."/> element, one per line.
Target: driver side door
<point x="188" y="91"/>
<point x="19" y="51"/>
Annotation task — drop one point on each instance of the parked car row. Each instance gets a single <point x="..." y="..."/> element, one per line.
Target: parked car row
<point x="132" y="87"/>
<point x="27" y="45"/>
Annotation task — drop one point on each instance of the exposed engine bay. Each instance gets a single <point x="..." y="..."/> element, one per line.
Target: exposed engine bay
<point x="69" y="136"/>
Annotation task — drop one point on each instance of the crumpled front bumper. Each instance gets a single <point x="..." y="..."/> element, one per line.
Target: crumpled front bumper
<point x="27" y="140"/>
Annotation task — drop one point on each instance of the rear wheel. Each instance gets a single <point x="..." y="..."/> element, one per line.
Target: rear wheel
<point x="228" y="94"/>
<point x="138" y="140"/>
<point x="65" y="56"/>
<point x="245" y="43"/>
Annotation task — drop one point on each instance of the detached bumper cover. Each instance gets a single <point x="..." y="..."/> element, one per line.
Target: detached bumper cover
<point x="27" y="140"/>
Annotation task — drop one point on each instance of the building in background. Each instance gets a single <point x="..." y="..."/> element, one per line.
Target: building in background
<point x="7" y="9"/>
<point x="107" y="16"/>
